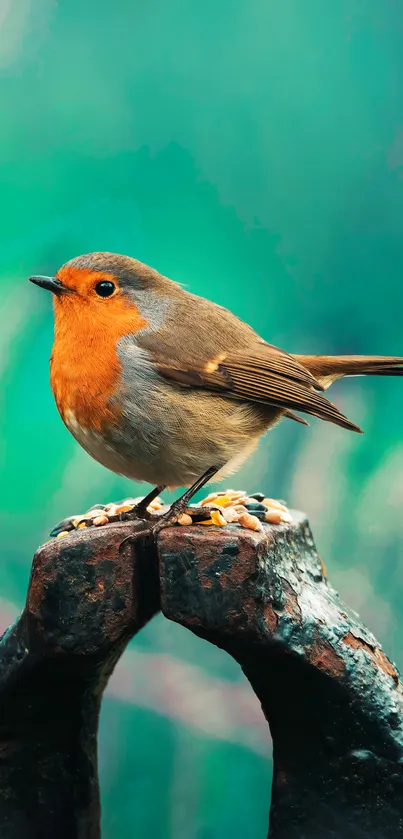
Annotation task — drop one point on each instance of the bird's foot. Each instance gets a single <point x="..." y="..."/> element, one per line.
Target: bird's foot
<point x="218" y="509"/>
<point x="179" y="508"/>
<point x="129" y="509"/>
<point x="176" y="512"/>
<point x="145" y="507"/>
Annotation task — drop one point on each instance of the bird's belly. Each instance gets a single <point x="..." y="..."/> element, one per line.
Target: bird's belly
<point x="174" y="438"/>
<point x="96" y="444"/>
<point x="180" y="434"/>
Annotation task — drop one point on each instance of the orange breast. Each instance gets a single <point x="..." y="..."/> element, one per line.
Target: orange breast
<point x="85" y="367"/>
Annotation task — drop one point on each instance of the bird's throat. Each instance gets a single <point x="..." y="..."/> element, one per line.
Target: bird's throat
<point x="85" y="368"/>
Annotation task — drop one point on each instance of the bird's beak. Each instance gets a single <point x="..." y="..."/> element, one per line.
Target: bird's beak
<point x="52" y="284"/>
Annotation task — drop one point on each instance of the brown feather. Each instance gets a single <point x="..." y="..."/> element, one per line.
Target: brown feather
<point x="328" y="368"/>
<point x="225" y="356"/>
<point x="257" y="379"/>
<point x="290" y="415"/>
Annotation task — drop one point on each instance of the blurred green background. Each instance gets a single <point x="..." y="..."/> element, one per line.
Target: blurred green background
<point x="253" y="151"/>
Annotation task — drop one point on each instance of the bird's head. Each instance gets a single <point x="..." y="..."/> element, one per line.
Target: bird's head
<point x="99" y="289"/>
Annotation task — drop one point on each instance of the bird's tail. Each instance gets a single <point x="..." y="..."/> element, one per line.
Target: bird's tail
<point x="328" y="368"/>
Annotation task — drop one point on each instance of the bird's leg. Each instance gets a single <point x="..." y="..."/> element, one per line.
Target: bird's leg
<point x="171" y="516"/>
<point x="129" y="509"/>
<point x="180" y="505"/>
<point x="140" y="510"/>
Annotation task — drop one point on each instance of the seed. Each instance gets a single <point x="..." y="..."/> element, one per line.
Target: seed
<point x="62" y="534"/>
<point x="81" y="525"/>
<point x="205" y="522"/>
<point x="230" y="514"/>
<point x="250" y="522"/>
<point x="223" y="500"/>
<point x="100" y="520"/>
<point x="273" y="516"/>
<point x="255" y="506"/>
<point x="121" y="508"/>
<point x="271" y="502"/>
<point x="209" y="498"/>
<point x="184" y="520"/>
<point x="217" y="518"/>
<point x="240" y="508"/>
<point x="258" y="496"/>
<point x="156" y="504"/>
<point x="111" y="510"/>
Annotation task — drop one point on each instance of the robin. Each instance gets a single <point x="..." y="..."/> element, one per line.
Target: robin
<point x="166" y="387"/>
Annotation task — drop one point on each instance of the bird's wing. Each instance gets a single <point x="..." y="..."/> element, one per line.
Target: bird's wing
<point x="265" y="375"/>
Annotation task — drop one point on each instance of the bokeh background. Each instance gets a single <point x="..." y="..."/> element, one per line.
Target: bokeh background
<point x="253" y="151"/>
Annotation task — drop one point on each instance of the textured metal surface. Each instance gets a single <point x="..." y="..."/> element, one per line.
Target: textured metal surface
<point x="85" y="601"/>
<point x="332" y="698"/>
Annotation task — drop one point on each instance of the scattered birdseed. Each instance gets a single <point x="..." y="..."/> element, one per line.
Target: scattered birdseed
<point x="100" y="520"/>
<point x="92" y="513"/>
<point x="122" y="508"/>
<point x="111" y="509"/>
<point x="217" y="518"/>
<point x="223" y="500"/>
<point x="230" y="514"/>
<point x="273" y="516"/>
<point x="208" y="499"/>
<point x="255" y="506"/>
<point x="240" y="508"/>
<point x="236" y="506"/>
<point x="155" y="505"/>
<point x="277" y="516"/>
<point x="184" y="519"/>
<point x="250" y="522"/>
<point x="272" y="502"/>
<point x="217" y="508"/>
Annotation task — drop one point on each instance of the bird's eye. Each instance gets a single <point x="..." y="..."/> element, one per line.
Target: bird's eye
<point x="105" y="288"/>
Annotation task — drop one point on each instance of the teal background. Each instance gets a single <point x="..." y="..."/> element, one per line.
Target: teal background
<point x="253" y="151"/>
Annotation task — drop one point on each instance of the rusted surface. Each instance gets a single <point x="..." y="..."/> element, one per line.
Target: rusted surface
<point x="85" y="600"/>
<point x="324" y="657"/>
<point x="331" y="696"/>
<point x="271" y="618"/>
<point x="378" y="657"/>
<point x="335" y="713"/>
<point x="291" y="604"/>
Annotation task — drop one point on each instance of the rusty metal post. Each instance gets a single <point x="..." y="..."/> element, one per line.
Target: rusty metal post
<point x="333" y="700"/>
<point x="85" y="601"/>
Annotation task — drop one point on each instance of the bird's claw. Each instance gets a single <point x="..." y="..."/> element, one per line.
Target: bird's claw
<point x="99" y="514"/>
<point x="217" y="509"/>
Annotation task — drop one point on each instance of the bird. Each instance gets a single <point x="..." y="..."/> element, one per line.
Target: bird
<point x="163" y="386"/>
